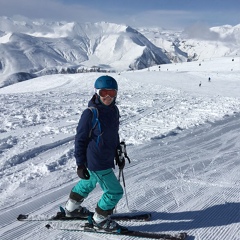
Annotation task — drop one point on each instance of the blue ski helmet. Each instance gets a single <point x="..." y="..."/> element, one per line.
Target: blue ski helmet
<point x="106" y="82"/>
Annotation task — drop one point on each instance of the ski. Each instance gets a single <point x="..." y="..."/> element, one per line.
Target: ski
<point x="61" y="216"/>
<point x="123" y="232"/>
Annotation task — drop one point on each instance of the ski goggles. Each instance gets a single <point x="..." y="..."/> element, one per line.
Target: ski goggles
<point x="106" y="92"/>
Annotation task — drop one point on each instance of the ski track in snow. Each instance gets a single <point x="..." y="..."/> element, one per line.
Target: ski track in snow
<point x="183" y="142"/>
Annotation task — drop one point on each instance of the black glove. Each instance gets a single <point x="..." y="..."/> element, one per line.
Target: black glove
<point x="121" y="154"/>
<point x="119" y="158"/>
<point x="82" y="172"/>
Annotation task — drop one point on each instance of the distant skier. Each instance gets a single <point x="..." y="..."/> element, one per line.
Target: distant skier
<point x="95" y="150"/>
<point x="200" y="84"/>
<point x="209" y="79"/>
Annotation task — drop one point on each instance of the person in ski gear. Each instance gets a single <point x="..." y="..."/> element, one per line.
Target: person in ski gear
<point x="95" y="150"/>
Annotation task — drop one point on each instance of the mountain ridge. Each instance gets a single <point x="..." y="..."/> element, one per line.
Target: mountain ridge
<point x="57" y="47"/>
<point x="35" y="48"/>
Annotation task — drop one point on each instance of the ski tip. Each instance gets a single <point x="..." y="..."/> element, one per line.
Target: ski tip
<point x="22" y="217"/>
<point x="48" y="226"/>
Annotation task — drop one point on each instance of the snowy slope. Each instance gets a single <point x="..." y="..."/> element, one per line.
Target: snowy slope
<point x="183" y="141"/>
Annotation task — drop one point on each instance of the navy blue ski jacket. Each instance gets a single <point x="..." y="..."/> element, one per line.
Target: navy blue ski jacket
<point x="97" y="156"/>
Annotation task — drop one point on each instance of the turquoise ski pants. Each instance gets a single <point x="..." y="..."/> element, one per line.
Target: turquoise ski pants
<point x="112" y="189"/>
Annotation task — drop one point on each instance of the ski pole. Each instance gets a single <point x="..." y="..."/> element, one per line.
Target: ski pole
<point x="124" y="186"/>
<point x="119" y="179"/>
<point x="122" y="154"/>
<point x="119" y="175"/>
<point x="125" y="191"/>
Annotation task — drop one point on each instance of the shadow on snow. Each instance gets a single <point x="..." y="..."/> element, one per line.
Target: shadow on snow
<point x="215" y="216"/>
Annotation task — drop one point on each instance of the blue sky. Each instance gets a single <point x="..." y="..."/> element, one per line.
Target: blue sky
<point x="173" y="14"/>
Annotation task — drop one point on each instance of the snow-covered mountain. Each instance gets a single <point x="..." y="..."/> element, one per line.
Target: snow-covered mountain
<point x="41" y="48"/>
<point x="34" y="48"/>
<point x="196" y="43"/>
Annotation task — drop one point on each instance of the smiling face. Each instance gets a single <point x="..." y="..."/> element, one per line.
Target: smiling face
<point x="106" y="100"/>
<point x="106" y="95"/>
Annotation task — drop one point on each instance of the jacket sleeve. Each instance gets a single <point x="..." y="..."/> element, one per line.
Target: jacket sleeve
<point x="82" y="137"/>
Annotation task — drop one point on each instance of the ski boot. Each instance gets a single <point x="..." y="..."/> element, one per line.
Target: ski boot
<point x="106" y="223"/>
<point x="74" y="209"/>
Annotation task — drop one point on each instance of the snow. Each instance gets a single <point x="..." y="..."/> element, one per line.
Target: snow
<point x="5" y="38"/>
<point x="183" y="141"/>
